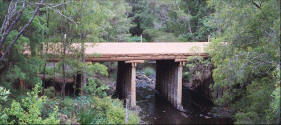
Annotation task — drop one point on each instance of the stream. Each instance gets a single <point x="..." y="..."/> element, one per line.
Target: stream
<point x="155" y="110"/>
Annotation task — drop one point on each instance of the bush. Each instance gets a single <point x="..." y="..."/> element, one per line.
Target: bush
<point x="3" y="94"/>
<point x="257" y="97"/>
<point x="96" y="110"/>
<point x="50" y="92"/>
<point x="137" y="39"/>
<point x="29" y="111"/>
<point x="95" y="87"/>
<point x="148" y="71"/>
<point x="106" y="111"/>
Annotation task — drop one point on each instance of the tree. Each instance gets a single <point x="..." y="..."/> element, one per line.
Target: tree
<point x="21" y="28"/>
<point x="10" y="21"/>
<point x="244" y="66"/>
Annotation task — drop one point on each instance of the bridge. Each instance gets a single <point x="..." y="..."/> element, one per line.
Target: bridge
<point x="169" y="56"/>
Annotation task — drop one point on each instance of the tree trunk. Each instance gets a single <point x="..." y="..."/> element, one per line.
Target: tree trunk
<point x="45" y="65"/>
<point x="84" y="79"/>
<point x="63" y="68"/>
<point x="189" y="26"/>
<point x="54" y="83"/>
<point x="74" y="86"/>
<point x="188" y="21"/>
<point x="63" y="62"/>
<point x="44" y="70"/>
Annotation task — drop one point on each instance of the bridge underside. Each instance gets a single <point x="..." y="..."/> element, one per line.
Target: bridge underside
<point x="168" y="81"/>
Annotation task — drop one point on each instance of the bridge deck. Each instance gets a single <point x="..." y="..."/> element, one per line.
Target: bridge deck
<point x="125" y="51"/>
<point x="144" y="51"/>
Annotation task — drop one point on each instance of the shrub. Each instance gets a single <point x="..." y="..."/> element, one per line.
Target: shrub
<point x="106" y="111"/>
<point x="29" y="111"/>
<point x="3" y="94"/>
<point x="50" y="92"/>
<point x="96" y="87"/>
<point x="148" y="71"/>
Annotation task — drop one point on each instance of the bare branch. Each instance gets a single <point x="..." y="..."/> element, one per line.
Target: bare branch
<point x="11" y="12"/>
<point x="49" y="5"/>
<point x="68" y="18"/>
<point x="21" y="31"/>
<point x="10" y="28"/>
<point x="57" y="5"/>
<point x="258" y="6"/>
<point x="54" y="7"/>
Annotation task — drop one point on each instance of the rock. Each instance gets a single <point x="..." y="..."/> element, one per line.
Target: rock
<point x="180" y="108"/>
<point x="207" y="117"/>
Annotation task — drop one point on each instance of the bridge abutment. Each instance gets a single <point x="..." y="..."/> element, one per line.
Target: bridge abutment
<point x="169" y="81"/>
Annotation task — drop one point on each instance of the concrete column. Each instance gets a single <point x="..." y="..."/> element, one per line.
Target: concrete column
<point x="126" y="82"/>
<point x="169" y="81"/>
<point x="133" y="85"/>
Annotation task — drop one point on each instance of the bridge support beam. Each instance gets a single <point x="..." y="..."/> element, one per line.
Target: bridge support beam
<point x="169" y="81"/>
<point x="126" y="81"/>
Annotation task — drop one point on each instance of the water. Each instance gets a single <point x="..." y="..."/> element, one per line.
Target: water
<point x="155" y="110"/>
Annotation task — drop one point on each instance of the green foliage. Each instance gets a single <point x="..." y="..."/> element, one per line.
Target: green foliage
<point x="50" y="92"/>
<point x="16" y="65"/>
<point x="192" y="64"/>
<point x="94" y="110"/>
<point x="96" y="87"/>
<point x="94" y="21"/>
<point x="3" y="94"/>
<point x="256" y="97"/>
<point x="169" y="20"/>
<point x="28" y="111"/>
<point x="245" y="66"/>
<point x="148" y="71"/>
<point x="273" y="113"/>
<point x="96" y="68"/>
<point x="24" y="69"/>
<point x="159" y="36"/>
<point x="106" y="111"/>
<point x="136" y="39"/>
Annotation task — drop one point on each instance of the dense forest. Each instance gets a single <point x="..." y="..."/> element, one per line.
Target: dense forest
<point x="245" y="74"/>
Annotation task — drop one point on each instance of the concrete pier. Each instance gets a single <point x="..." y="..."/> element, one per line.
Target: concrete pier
<point x="126" y="81"/>
<point x="169" y="81"/>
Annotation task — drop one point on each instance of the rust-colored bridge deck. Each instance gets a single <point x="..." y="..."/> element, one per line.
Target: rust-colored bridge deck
<point x="126" y="51"/>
